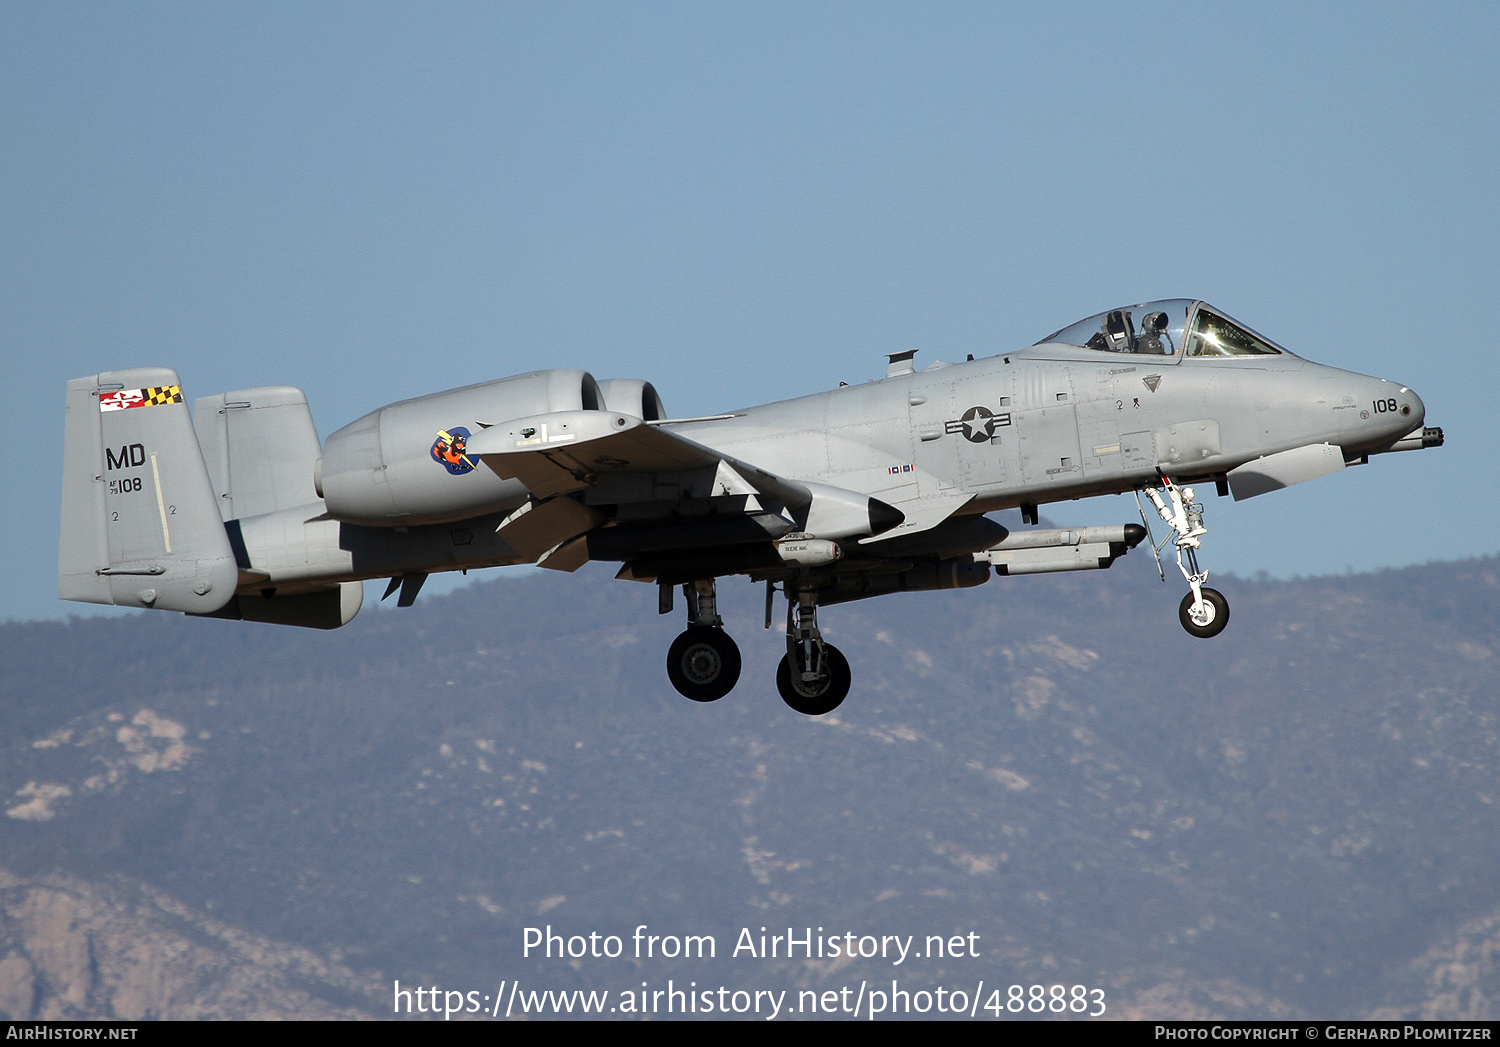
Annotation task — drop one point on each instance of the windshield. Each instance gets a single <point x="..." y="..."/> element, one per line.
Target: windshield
<point x="1214" y="335"/>
<point x="1148" y="329"/>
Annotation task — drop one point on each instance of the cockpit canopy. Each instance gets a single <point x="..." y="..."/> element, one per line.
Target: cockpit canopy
<point x="1172" y="327"/>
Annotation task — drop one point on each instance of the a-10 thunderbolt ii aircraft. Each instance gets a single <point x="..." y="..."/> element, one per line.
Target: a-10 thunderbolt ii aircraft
<point x="239" y="512"/>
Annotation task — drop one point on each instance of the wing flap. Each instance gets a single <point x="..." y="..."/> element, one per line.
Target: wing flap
<point x="538" y="528"/>
<point x="567" y="450"/>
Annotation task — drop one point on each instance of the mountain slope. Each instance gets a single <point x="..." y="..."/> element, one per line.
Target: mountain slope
<point x="1297" y="817"/>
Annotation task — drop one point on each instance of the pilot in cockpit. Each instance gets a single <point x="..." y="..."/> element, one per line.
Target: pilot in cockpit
<point x="1160" y="330"/>
<point x="1116" y="334"/>
<point x="1155" y="339"/>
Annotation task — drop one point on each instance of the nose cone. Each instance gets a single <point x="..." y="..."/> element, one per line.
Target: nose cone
<point x="1402" y="406"/>
<point x="1368" y="414"/>
<point x="1418" y="408"/>
<point x="1390" y="411"/>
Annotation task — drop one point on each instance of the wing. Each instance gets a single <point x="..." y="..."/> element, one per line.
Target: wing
<point x="569" y="451"/>
<point x="579" y="465"/>
<point x="665" y="493"/>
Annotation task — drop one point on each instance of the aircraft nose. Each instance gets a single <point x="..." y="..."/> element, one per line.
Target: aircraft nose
<point x="1418" y="408"/>
<point x="1395" y="409"/>
<point x="1405" y="407"/>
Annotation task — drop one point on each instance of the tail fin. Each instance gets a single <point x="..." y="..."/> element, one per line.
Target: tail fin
<point x="140" y="527"/>
<point x="261" y="450"/>
<point x="260" y="447"/>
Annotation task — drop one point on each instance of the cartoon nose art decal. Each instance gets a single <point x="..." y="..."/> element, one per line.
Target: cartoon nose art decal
<point x="448" y="450"/>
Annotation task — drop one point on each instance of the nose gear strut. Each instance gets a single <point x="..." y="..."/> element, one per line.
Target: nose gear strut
<point x="1204" y="612"/>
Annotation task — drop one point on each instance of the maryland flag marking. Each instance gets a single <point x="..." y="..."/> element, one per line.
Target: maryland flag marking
<point x="124" y="399"/>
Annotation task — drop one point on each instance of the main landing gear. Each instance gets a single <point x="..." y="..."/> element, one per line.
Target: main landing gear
<point x="703" y="663"/>
<point x="1204" y="612"/>
<point x="813" y="676"/>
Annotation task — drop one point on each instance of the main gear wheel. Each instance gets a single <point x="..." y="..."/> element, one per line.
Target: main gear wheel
<point x="820" y="695"/>
<point x="703" y="663"/>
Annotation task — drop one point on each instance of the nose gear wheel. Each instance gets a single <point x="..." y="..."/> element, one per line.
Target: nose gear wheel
<point x="1208" y="619"/>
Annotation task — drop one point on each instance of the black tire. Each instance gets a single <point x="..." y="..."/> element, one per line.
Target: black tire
<point x="1216" y="607"/>
<point x="822" y="696"/>
<point x="703" y="663"/>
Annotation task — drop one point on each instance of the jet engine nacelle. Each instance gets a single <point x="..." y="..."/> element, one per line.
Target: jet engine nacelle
<point x="633" y="397"/>
<point x="407" y="463"/>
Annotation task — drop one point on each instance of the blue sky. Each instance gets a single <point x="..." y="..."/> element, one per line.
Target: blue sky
<point x="743" y="203"/>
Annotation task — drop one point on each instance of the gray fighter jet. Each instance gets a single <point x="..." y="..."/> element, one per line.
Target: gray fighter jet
<point x="238" y="511"/>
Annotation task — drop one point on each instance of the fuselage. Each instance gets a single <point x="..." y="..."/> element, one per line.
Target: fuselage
<point x="1056" y="422"/>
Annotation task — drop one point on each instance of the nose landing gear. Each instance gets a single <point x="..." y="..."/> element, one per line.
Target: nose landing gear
<point x="1206" y="617"/>
<point x="1204" y="612"/>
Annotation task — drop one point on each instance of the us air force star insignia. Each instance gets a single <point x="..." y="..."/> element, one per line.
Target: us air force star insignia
<point x="979" y="424"/>
<point x="1152" y="381"/>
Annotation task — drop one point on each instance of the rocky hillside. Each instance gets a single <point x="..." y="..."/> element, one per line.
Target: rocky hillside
<point x="1296" y="818"/>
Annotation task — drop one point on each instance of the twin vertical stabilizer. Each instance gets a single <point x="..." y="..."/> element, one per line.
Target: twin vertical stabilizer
<point x="140" y="527"/>
<point x="156" y="504"/>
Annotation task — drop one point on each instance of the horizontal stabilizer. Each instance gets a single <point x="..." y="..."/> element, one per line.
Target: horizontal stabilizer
<point x="326" y="609"/>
